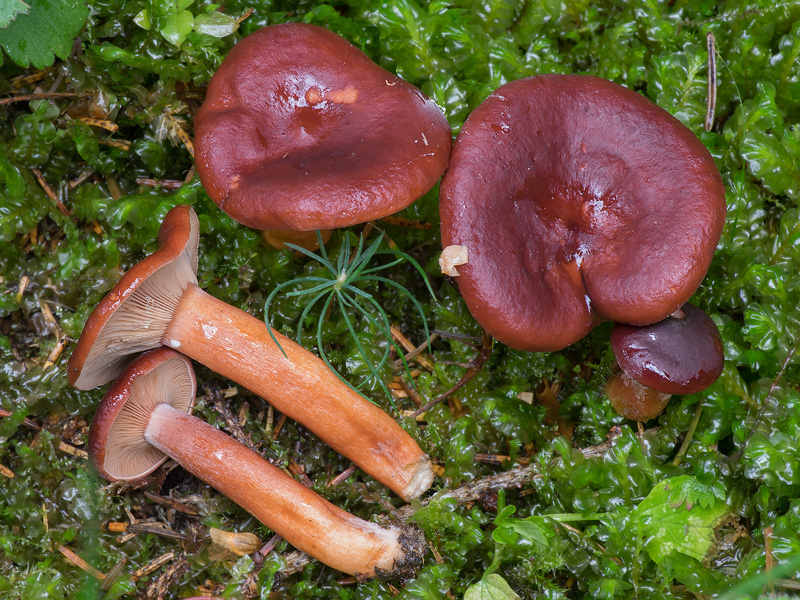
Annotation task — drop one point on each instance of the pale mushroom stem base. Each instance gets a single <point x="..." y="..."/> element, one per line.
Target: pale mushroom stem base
<point x="304" y="519"/>
<point x="238" y="346"/>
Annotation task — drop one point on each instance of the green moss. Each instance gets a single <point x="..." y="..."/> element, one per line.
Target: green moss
<point x="148" y="76"/>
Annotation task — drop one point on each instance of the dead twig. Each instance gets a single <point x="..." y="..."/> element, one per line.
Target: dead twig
<point x="50" y="193"/>
<point x="477" y="364"/>
<point x="72" y="558"/>
<point x="42" y="96"/>
<point x="181" y="507"/>
<point x="711" y="98"/>
<point x="153" y="565"/>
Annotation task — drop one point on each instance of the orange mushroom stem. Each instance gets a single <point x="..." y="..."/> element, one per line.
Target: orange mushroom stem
<point x="158" y="303"/>
<point x="143" y="419"/>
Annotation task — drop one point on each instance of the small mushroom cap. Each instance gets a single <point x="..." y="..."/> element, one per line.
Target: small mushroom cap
<point x="300" y="130"/>
<point x="117" y="446"/>
<point x="675" y="355"/>
<point x="633" y="400"/>
<point x="578" y="200"/>
<point x="136" y="312"/>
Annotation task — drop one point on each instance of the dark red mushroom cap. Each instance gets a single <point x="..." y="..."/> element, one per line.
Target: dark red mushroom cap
<point x="117" y="446"/>
<point x="134" y="315"/>
<point x="300" y="130"/>
<point x="578" y="200"/>
<point x="675" y="356"/>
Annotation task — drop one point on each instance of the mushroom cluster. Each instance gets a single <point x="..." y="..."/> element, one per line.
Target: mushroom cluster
<point x="299" y="131"/>
<point x="158" y="303"/>
<point x="571" y="200"/>
<point x="143" y="419"/>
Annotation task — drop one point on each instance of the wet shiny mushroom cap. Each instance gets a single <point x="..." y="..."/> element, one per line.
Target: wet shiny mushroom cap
<point x="678" y="355"/>
<point x="300" y="130"/>
<point x="578" y="201"/>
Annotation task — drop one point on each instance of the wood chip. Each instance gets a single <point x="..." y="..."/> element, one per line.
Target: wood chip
<point x="70" y="449"/>
<point x="76" y="560"/>
<point x="5" y="471"/>
<point x="153" y="565"/>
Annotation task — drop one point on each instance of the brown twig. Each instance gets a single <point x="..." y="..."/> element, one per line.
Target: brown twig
<point x="760" y="416"/>
<point x="155" y="529"/>
<point x="477" y="364"/>
<point x="153" y="565"/>
<point x="342" y="476"/>
<point x="412" y="350"/>
<point x="231" y="421"/>
<point x="167" y="184"/>
<point x="72" y="558"/>
<point x="50" y="193"/>
<point x="41" y="96"/>
<point x="181" y="507"/>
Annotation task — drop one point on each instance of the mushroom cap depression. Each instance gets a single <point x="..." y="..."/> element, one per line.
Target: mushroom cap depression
<point x="300" y="130"/>
<point x="578" y="200"/>
<point x="675" y="355"/>
<point x="117" y="446"/>
<point x="136" y="312"/>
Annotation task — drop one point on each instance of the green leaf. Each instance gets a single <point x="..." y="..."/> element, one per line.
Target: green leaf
<point x="215" y="24"/>
<point x="9" y="9"/>
<point x="491" y="587"/>
<point x="671" y="522"/>
<point x="47" y="29"/>
<point x="177" y="26"/>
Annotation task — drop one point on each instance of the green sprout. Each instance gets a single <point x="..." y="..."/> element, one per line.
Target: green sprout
<point x="342" y="286"/>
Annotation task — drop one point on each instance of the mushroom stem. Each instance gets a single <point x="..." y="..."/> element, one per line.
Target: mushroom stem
<point x="303" y="518"/>
<point x="238" y="346"/>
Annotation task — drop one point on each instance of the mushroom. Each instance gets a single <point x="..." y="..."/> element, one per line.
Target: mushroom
<point x="300" y="130"/>
<point x="158" y="302"/>
<point x="143" y="419"/>
<point x="578" y="201"/>
<point x="681" y="354"/>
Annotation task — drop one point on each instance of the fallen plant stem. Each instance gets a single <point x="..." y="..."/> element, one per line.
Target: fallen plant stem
<point x="760" y="416"/>
<point x="517" y="477"/>
<point x="477" y="364"/>
<point x="689" y="435"/>
<point x="42" y="96"/>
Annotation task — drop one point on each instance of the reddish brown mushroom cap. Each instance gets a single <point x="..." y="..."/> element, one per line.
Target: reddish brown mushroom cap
<point x="674" y="356"/>
<point x="136" y="312"/>
<point x="578" y="200"/>
<point x="117" y="446"/>
<point x="300" y="130"/>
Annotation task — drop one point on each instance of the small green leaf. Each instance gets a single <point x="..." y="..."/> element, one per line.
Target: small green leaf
<point x="47" y="29"/>
<point x="177" y="26"/>
<point x="685" y="527"/>
<point x="491" y="587"/>
<point x="143" y="20"/>
<point x="215" y="24"/>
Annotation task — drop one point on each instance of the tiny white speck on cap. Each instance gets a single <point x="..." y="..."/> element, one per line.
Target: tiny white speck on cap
<point x="174" y="344"/>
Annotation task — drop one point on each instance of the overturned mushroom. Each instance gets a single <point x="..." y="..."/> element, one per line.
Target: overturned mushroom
<point x="143" y="419"/>
<point x="578" y="201"/>
<point x="300" y="130"/>
<point x="681" y="354"/>
<point x="158" y="302"/>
